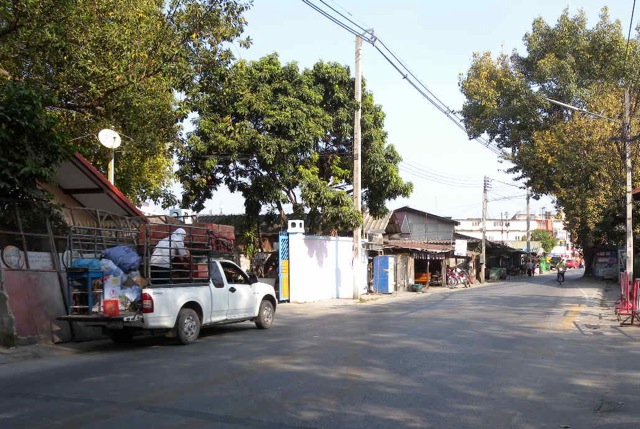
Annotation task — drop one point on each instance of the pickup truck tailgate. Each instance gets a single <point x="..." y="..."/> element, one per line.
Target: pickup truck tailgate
<point x="112" y="322"/>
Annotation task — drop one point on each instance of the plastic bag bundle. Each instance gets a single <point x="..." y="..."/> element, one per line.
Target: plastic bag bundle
<point x="124" y="257"/>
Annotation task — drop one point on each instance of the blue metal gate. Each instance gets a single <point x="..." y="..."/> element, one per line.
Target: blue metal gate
<point x="283" y="271"/>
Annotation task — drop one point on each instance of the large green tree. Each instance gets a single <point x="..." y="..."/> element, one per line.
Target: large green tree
<point x="121" y="64"/>
<point x="30" y="149"/>
<point x="546" y="239"/>
<point x="572" y="156"/>
<point x="283" y="137"/>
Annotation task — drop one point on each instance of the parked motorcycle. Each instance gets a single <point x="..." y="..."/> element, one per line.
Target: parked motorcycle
<point x="465" y="277"/>
<point x="456" y="276"/>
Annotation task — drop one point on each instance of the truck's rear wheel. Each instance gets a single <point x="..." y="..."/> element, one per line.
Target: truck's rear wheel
<point x="188" y="326"/>
<point x="120" y="336"/>
<point x="265" y="315"/>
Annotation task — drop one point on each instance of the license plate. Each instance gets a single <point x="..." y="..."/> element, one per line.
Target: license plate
<point x="115" y="325"/>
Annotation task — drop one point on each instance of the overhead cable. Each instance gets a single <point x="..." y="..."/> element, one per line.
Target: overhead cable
<point x="512" y="197"/>
<point x="368" y="36"/>
<point x="509" y="184"/>
<point x="423" y="174"/>
<point x="468" y="180"/>
<point x="360" y="27"/>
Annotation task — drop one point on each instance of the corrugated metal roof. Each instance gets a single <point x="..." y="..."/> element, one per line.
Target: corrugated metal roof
<point x="430" y="215"/>
<point x="470" y="239"/>
<point x="421" y="245"/>
<point x="379" y="225"/>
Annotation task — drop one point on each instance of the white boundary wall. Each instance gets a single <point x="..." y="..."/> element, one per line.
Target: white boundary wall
<point x="321" y="268"/>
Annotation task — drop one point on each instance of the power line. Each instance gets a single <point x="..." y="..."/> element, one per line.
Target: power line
<point x="433" y="173"/>
<point x="502" y="188"/>
<point x="626" y="51"/>
<point x="331" y="18"/>
<point x="508" y="184"/>
<point x="423" y="174"/>
<point x="364" y="25"/>
<point x="368" y="36"/>
<point x="512" y="197"/>
<point x="427" y="94"/>
<point x="363" y="29"/>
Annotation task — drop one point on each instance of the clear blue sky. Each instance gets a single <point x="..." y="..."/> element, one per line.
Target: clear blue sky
<point x="436" y="40"/>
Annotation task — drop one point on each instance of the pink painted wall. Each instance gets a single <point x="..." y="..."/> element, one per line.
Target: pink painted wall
<point x="36" y="301"/>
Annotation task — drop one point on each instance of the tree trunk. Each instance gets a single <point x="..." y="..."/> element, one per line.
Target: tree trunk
<point x="588" y="254"/>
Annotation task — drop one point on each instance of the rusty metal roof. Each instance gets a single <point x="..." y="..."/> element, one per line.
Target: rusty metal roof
<point x="420" y="245"/>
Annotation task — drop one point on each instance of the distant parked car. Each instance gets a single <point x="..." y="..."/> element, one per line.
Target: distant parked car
<point x="572" y="263"/>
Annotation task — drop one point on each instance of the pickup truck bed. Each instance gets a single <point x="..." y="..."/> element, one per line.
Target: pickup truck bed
<point x="229" y="295"/>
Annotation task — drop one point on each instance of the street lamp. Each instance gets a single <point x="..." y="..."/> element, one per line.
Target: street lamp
<point x="111" y="140"/>
<point x="626" y="137"/>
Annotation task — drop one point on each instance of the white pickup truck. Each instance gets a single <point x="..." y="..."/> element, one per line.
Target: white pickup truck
<point x="180" y="309"/>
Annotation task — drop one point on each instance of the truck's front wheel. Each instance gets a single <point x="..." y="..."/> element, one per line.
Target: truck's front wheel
<point x="265" y="315"/>
<point x="188" y="326"/>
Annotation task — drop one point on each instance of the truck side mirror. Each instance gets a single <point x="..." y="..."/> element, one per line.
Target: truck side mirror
<point x="253" y="278"/>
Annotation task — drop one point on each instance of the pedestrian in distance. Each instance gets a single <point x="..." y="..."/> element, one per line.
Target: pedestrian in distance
<point x="561" y="268"/>
<point x="164" y="255"/>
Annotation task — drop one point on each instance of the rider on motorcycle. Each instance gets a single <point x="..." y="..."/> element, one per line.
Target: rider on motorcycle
<point x="561" y="268"/>
<point x="529" y="267"/>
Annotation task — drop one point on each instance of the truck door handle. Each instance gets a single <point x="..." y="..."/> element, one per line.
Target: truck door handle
<point x="232" y="289"/>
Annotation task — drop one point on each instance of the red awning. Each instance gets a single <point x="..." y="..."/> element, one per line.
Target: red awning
<point x="78" y="178"/>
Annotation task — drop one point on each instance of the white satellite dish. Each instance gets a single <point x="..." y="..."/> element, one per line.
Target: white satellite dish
<point x="109" y="138"/>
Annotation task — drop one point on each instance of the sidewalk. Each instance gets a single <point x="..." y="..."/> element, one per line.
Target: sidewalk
<point x="40" y="351"/>
<point x="379" y="298"/>
<point x="599" y="311"/>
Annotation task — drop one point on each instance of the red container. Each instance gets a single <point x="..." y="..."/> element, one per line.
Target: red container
<point x="111" y="307"/>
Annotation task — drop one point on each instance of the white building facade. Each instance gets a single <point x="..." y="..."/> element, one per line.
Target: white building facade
<point x="512" y="231"/>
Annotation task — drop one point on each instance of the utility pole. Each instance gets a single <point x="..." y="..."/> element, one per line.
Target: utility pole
<point x="357" y="199"/>
<point x="507" y="223"/>
<point x="626" y="135"/>
<point x="528" y="227"/>
<point x="483" y="258"/>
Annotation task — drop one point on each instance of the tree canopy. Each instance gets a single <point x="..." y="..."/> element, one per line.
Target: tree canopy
<point x="283" y="137"/>
<point x="121" y="64"/>
<point x="279" y="135"/>
<point x="546" y="239"/>
<point x="574" y="157"/>
<point x="30" y="149"/>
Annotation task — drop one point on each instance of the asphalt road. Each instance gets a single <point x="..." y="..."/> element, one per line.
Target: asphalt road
<point x="518" y="354"/>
